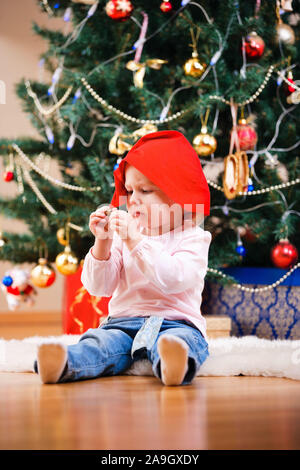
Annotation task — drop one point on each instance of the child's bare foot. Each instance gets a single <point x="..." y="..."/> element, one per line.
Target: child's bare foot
<point x="51" y="361"/>
<point x="173" y="353"/>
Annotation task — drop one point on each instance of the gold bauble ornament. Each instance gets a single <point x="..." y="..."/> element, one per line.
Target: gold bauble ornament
<point x="285" y="33"/>
<point x="193" y="67"/>
<point x="66" y="262"/>
<point x="61" y="236"/>
<point x="42" y="274"/>
<point x="204" y="143"/>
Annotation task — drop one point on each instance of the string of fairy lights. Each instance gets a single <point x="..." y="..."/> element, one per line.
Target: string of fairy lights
<point x="27" y="164"/>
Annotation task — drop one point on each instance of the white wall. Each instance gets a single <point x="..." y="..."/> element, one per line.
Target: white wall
<point x="19" y="52"/>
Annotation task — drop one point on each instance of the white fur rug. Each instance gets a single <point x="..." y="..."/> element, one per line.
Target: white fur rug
<point x="230" y="356"/>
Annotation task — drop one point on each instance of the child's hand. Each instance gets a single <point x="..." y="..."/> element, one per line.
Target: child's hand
<point x="125" y="225"/>
<point x="98" y="223"/>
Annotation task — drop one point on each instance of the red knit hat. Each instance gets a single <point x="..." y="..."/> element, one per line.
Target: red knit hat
<point x="168" y="160"/>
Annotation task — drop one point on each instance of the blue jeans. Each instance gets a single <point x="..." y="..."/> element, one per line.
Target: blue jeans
<point x="106" y="350"/>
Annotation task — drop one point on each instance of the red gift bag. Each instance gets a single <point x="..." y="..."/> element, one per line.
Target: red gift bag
<point x="81" y="310"/>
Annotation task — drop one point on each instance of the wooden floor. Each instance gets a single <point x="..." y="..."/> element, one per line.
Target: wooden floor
<point x="133" y="412"/>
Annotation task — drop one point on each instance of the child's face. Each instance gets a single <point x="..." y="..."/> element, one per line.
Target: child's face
<point x="149" y="204"/>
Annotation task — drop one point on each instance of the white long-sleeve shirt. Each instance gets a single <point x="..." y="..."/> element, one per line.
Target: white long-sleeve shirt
<point x="163" y="276"/>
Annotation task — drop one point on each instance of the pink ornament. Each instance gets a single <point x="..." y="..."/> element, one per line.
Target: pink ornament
<point x="246" y="134"/>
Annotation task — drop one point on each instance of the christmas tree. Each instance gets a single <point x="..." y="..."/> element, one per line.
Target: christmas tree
<point x="222" y="73"/>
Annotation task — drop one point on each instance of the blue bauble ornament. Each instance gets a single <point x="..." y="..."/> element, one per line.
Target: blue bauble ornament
<point x="241" y="250"/>
<point x="7" y="281"/>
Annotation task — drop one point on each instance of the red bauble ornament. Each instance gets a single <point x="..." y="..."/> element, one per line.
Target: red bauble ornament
<point x="8" y="176"/>
<point x="254" y="46"/>
<point x="119" y="10"/>
<point x="166" y="6"/>
<point x="246" y="134"/>
<point x="284" y="255"/>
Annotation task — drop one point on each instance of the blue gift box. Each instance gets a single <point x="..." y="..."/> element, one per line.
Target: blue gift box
<point x="272" y="314"/>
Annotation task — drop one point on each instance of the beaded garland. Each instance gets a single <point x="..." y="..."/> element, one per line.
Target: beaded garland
<point x="257" y="289"/>
<point x="177" y="115"/>
<point x="254" y="96"/>
<point x="259" y="191"/>
<point x="49" y="111"/>
<point x="126" y="116"/>
<point x="49" y="178"/>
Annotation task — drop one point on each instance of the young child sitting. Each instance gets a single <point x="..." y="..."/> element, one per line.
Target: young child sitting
<point x="152" y="259"/>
